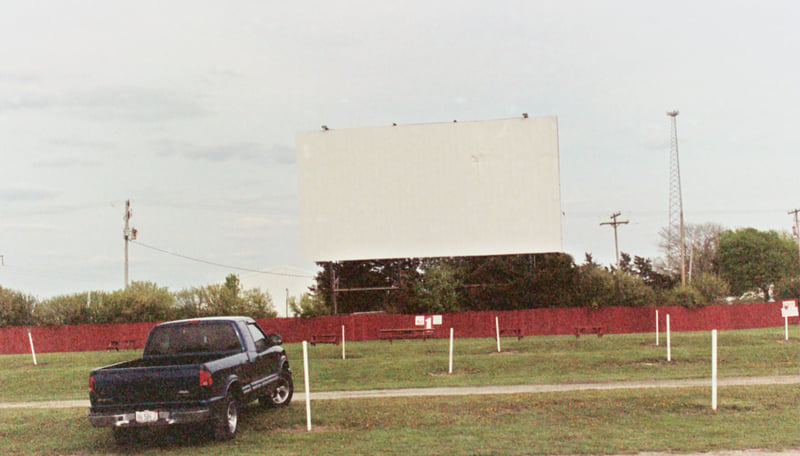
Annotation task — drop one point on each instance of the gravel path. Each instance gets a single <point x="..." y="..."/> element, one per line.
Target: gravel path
<point x="481" y="390"/>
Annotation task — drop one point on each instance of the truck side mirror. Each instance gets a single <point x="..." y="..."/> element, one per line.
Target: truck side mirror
<point x="275" y="339"/>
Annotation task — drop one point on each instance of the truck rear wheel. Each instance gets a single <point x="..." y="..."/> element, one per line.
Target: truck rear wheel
<point x="227" y="423"/>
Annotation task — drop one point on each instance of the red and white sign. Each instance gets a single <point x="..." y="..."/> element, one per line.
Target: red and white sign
<point x="789" y="309"/>
<point x="428" y="320"/>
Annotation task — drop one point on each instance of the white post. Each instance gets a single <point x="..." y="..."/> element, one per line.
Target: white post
<point x="786" y="327"/>
<point x="656" y="327"/>
<point x="450" y="368"/>
<point x="497" y="331"/>
<point x="308" y="392"/>
<point x="714" y="369"/>
<point x="669" y="342"/>
<point x="33" y="352"/>
<point x="343" y="341"/>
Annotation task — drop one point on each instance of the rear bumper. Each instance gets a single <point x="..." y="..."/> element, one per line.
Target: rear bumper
<point x="150" y="417"/>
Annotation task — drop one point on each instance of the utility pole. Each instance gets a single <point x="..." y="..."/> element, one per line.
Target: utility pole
<point x="334" y="284"/>
<point x="129" y="234"/>
<point x="796" y="229"/>
<point x="614" y="223"/>
<point x="675" y="197"/>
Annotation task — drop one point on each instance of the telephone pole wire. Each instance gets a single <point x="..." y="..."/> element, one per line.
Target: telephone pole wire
<point x="614" y="223"/>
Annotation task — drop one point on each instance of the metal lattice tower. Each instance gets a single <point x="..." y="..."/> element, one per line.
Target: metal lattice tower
<point x="675" y="230"/>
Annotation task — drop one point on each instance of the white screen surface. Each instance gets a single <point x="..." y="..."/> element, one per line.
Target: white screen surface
<point x="430" y="190"/>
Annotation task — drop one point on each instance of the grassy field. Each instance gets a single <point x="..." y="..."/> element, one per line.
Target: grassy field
<point x="595" y="422"/>
<point x="414" y="363"/>
<point x="553" y="423"/>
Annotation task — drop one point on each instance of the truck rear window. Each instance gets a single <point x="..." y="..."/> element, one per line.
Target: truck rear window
<point x="202" y="337"/>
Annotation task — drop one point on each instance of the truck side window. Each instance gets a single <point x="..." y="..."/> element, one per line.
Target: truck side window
<point x="258" y="337"/>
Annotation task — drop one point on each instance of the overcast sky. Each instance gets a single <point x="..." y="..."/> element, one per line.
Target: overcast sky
<point x="190" y="110"/>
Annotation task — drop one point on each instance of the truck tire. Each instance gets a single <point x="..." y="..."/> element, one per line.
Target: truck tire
<point x="227" y="422"/>
<point x="281" y="394"/>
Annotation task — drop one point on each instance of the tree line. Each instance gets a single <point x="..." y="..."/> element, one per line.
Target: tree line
<point x="746" y="264"/>
<point x="724" y="266"/>
<point x="139" y="302"/>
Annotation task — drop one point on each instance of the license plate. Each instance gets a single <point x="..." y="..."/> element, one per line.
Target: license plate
<point x="147" y="416"/>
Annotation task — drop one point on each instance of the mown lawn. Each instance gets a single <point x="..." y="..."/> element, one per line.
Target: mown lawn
<point x="596" y="422"/>
<point x="592" y="422"/>
<point x="416" y="363"/>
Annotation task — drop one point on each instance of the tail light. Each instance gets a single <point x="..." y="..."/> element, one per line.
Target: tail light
<point x="91" y="383"/>
<point x="205" y="378"/>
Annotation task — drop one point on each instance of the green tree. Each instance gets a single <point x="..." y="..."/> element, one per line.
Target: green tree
<point x="436" y="291"/>
<point x="750" y="259"/>
<point x="632" y="291"/>
<point x="643" y="268"/>
<point x="595" y="286"/>
<point x="228" y="298"/>
<point x="140" y="301"/>
<point x="16" y="308"/>
<point x="72" y="309"/>
<point x="369" y="285"/>
<point x="788" y="288"/>
<point x="688" y="297"/>
<point x="509" y="282"/>
<point x="713" y="289"/>
<point x="257" y="304"/>
<point x="600" y="287"/>
<point x="308" y="306"/>
<point x="189" y="303"/>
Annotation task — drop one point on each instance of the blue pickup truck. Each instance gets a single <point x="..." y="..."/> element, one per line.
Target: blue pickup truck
<point x="192" y="371"/>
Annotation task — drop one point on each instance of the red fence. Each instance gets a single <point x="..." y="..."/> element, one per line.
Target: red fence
<point x="617" y="320"/>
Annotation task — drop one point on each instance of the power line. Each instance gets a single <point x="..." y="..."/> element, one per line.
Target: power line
<point x="212" y="263"/>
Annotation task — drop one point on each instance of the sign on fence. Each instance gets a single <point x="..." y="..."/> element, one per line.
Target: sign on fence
<point x="789" y="309"/>
<point x="427" y="321"/>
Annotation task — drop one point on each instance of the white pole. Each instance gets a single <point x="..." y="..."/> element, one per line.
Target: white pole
<point x="308" y="392"/>
<point x="33" y="352"/>
<point x="343" y="352"/>
<point x="450" y="368"/>
<point x="714" y="369"/>
<point x="786" y="327"/>
<point x="669" y="342"/>
<point x="497" y="331"/>
<point x="656" y="327"/>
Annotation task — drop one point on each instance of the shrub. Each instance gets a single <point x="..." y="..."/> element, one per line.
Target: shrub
<point x="633" y="291"/>
<point x="713" y="289"/>
<point x="688" y="297"/>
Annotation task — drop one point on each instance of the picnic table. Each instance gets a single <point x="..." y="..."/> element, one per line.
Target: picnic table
<point x="405" y="333"/>
<point x="127" y="344"/>
<point x="588" y="330"/>
<point x="324" y="339"/>
<point x="515" y="332"/>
